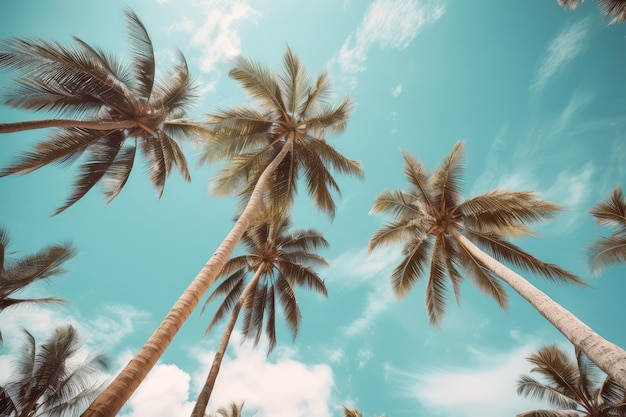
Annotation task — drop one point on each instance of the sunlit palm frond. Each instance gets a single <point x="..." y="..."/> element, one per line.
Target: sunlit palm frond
<point x="612" y="393"/>
<point x="614" y="10"/>
<point x="501" y="209"/>
<point x="399" y="204"/>
<point x="237" y="176"/>
<point x="611" y="212"/>
<point x="329" y="118"/>
<point x="232" y="287"/>
<point x="445" y="181"/>
<point x="41" y="265"/>
<point x="334" y="159"/>
<point x="558" y="369"/>
<point x="412" y="267"/>
<point x="317" y="94"/>
<point x="351" y="412"/>
<point x="177" y="92"/>
<point x="259" y="82"/>
<point x="270" y="322"/>
<point x="607" y="251"/>
<point x="142" y="53"/>
<point x="304" y="240"/>
<point x="587" y="374"/>
<point x="320" y="183"/>
<point x="303" y="276"/>
<point x="505" y="251"/>
<point x="418" y="177"/>
<point x="294" y="80"/>
<point x="152" y="151"/>
<point x="392" y="234"/>
<point x="530" y="387"/>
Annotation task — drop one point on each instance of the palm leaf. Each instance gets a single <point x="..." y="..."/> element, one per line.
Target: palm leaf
<point x="329" y="118"/>
<point x="436" y="287"/>
<point x="142" y="53"/>
<point x="612" y="211"/>
<point x="530" y="387"/>
<point x="605" y="252"/>
<point x="259" y="83"/>
<point x="118" y="173"/>
<point x="293" y="80"/>
<point x="614" y="10"/>
<point x="550" y="413"/>
<point x="445" y="181"/>
<point x="317" y="94"/>
<point x="412" y="267"/>
<point x="332" y="158"/>
<point x="289" y="304"/>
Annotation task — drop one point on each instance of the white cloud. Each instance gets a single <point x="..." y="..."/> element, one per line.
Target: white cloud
<point x="358" y="267"/>
<point x="389" y="24"/>
<point x="577" y="102"/>
<point x="217" y="32"/>
<point x="487" y="387"/>
<point x="163" y="393"/>
<point x="568" y="44"/>
<point x="112" y="325"/>
<point x="283" y="387"/>
<point x="397" y="90"/>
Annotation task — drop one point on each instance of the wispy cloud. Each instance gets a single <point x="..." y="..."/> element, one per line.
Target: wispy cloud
<point x="216" y="30"/>
<point x="397" y="90"/>
<point x="578" y="101"/>
<point x="562" y="50"/>
<point x="486" y="387"/>
<point x="389" y="24"/>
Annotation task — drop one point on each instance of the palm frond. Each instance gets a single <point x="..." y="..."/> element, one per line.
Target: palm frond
<point x="259" y="82"/>
<point x="417" y="176"/>
<point x="394" y="233"/>
<point x="445" y="181"/>
<point x="270" y="324"/>
<point x="560" y="371"/>
<point x="101" y="156"/>
<point x="334" y="159"/>
<point x="330" y="119"/>
<point x="178" y="91"/>
<point x="550" y="413"/>
<point x="118" y="173"/>
<point x="294" y="80"/>
<point x="611" y="393"/>
<point x="233" y="288"/>
<point x="319" y="183"/>
<point x="302" y="276"/>
<point x="317" y="94"/>
<point x="152" y="150"/>
<point x="399" y="204"/>
<point x="505" y="251"/>
<point x="289" y="304"/>
<point x="606" y="251"/>
<point x="570" y="4"/>
<point x="531" y="388"/>
<point x="142" y="53"/>
<point x="614" y="10"/>
<point x="412" y="267"/>
<point x="611" y="212"/>
<point x="501" y="209"/>
<point x="436" y="286"/>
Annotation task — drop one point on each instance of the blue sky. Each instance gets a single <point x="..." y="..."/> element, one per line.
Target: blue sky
<point x="535" y="91"/>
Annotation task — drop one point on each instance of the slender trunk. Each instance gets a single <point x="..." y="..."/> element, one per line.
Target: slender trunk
<point x="608" y="356"/>
<point x="66" y="123"/>
<point x="205" y="395"/>
<point x="111" y="400"/>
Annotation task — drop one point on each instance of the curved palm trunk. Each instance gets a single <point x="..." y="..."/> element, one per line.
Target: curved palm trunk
<point x="203" y="399"/>
<point x="111" y="400"/>
<point x="67" y="123"/>
<point x="608" y="356"/>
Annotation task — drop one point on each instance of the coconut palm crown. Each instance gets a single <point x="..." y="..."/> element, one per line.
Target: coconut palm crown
<point x="428" y="215"/>
<point x="572" y="386"/>
<point x="49" y="381"/>
<point x="610" y="250"/>
<point x="283" y="260"/>
<point x="291" y="110"/>
<point x="114" y="110"/>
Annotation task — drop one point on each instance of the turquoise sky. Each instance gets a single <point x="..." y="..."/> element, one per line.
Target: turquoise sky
<point x="536" y="92"/>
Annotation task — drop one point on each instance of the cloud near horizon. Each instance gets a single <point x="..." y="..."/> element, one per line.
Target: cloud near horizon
<point x="391" y="24"/>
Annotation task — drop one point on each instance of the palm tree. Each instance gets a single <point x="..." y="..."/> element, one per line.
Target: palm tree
<point x="572" y="386"/>
<point x="115" y="110"/>
<point x="437" y="228"/>
<point x="615" y="10"/>
<point x="17" y="274"/>
<point x="609" y="250"/>
<point x="354" y="412"/>
<point x="273" y="145"/>
<point x="279" y="261"/>
<point x="48" y="381"/>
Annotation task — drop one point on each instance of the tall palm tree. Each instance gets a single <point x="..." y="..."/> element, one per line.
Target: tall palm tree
<point x="614" y="10"/>
<point x="440" y="231"/>
<point x="570" y="385"/>
<point x="114" y="110"/>
<point x="17" y="274"/>
<point x="279" y="261"/>
<point x="274" y="142"/>
<point x="610" y="250"/>
<point x="48" y="381"/>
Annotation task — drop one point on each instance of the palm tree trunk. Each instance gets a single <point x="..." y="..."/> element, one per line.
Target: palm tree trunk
<point x="203" y="399"/>
<point x="608" y="356"/>
<point x="67" y="123"/>
<point x="111" y="400"/>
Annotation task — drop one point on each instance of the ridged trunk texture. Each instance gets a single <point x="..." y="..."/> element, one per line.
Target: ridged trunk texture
<point x="111" y="400"/>
<point x="65" y="123"/>
<point x="205" y="395"/>
<point x="606" y="355"/>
